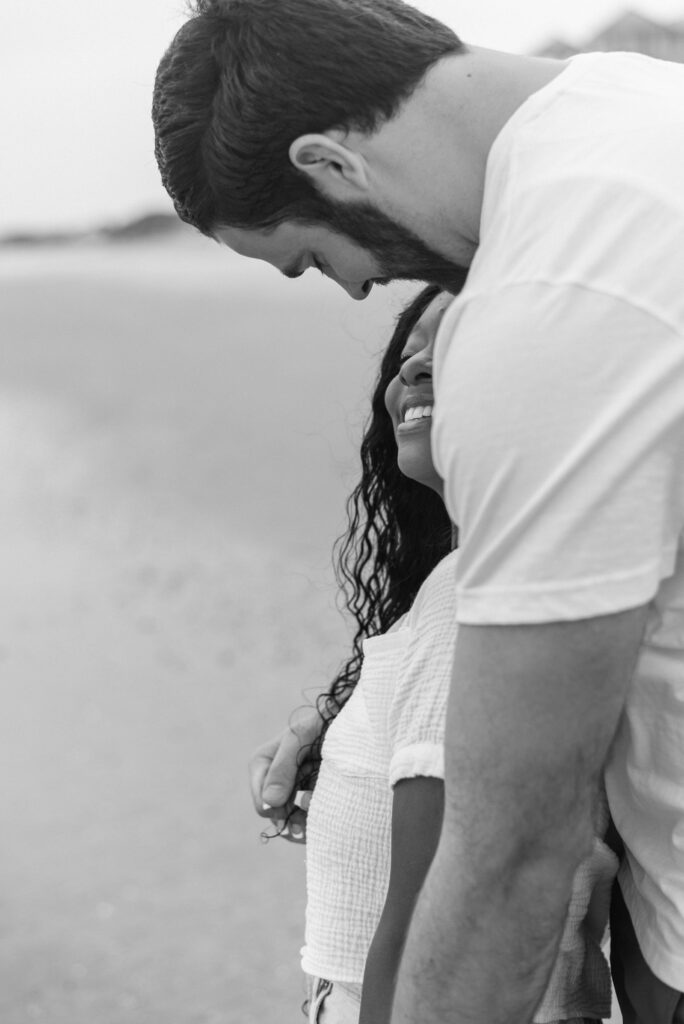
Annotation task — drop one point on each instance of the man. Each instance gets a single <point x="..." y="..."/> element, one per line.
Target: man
<point x="363" y="138"/>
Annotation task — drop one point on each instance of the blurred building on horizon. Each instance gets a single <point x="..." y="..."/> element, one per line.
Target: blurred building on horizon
<point x="631" y="32"/>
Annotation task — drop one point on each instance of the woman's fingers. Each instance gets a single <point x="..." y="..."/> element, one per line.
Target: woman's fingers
<point x="281" y="774"/>
<point x="273" y="766"/>
<point x="259" y="767"/>
<point x="295" y="831"/>
<point x="303" y="799"/>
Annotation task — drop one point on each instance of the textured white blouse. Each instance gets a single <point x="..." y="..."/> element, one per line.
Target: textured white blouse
<point x="392" y="728"/>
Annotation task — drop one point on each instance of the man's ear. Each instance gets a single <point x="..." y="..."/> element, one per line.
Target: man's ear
<point x="335" y="170"/>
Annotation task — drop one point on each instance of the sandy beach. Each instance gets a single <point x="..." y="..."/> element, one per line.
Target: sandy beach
<point x="178" y="431"/>
<point x="176" y="438"/>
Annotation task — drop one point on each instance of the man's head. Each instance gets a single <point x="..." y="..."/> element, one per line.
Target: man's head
<point x="245" y="90"/>
<point x="244" y="79"/>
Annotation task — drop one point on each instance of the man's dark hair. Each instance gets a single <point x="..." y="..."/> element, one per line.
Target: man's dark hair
<point x="244" y="78"/>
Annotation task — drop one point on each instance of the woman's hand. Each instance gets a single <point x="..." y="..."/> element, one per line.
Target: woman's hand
<point x="273" y="772"/>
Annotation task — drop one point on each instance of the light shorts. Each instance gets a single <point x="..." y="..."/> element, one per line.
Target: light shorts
<point x="336" y="1003"/>
<point x="333" y="1002"/>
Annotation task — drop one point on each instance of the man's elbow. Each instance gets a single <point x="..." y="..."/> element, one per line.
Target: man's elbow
<point x="544" y="840"/>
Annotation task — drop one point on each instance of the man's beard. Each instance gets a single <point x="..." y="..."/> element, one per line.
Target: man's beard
<point x="400" y="253"/>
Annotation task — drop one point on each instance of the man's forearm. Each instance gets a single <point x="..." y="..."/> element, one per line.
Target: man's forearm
<point x="532" y="713"/>
<point x="482" y="944"/>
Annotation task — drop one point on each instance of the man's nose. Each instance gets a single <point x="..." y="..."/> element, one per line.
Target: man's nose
<point x="357" y="289"/>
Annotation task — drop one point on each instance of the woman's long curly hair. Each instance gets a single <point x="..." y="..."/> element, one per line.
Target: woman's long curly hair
<point x="398" y="531"/>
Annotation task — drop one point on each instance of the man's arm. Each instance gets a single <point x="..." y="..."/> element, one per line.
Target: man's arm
<point x="417" y="808"/>
<point x="532" y="713"/>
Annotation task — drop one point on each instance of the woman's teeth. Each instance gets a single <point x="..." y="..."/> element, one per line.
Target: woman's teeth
<point x="417" y="412"/>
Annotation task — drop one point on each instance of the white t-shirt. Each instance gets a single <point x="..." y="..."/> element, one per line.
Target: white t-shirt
<point x="392" y="728"/>
<point x="559" y="420"/>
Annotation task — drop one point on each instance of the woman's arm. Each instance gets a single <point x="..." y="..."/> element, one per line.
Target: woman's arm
<point x="416" y="823"/>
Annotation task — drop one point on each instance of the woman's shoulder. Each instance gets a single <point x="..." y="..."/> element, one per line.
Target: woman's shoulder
<point x="436" y="599"/>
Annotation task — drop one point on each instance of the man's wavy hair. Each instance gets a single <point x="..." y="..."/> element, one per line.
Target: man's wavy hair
<point x="398" y="530"/>
<point x="244" y="78"/>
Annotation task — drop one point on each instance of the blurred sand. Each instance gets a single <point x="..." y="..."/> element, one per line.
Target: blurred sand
<point x="178" y="431"/>
<point x="177" y="434"/>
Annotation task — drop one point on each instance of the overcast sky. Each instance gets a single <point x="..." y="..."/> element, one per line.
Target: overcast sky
<point x="77" y="80"/>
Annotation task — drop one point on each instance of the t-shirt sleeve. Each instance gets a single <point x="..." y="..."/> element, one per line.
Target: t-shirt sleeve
<point x="559" y="430"/>
<point x="417" y="713"/>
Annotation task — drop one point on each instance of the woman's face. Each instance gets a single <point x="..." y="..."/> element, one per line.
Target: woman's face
<point x="409" y="398"/>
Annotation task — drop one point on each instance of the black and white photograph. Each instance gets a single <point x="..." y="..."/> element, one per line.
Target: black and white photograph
<point x="342" y="512"/>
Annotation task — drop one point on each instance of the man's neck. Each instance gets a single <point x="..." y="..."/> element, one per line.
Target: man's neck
<point x="430" y="160"/>
<point x="483" y="88"/>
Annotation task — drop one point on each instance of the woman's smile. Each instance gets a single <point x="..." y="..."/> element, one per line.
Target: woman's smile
<point x="409" y="398"/>
<point x="415" y="413"/>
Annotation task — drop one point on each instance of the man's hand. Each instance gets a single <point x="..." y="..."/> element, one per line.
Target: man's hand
<point x="273" y="771"/>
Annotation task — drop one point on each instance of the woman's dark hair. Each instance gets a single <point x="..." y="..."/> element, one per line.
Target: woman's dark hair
<point x="398" y="531"/>
<point x="244" y="78"/>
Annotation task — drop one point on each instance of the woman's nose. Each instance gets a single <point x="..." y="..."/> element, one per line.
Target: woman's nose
<point x="416" y="370"/>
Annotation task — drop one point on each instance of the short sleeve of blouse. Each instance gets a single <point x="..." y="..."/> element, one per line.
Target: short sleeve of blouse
<point x="418" y="709"/>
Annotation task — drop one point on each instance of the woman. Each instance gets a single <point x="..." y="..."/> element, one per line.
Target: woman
<point x="375" y="815"/>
